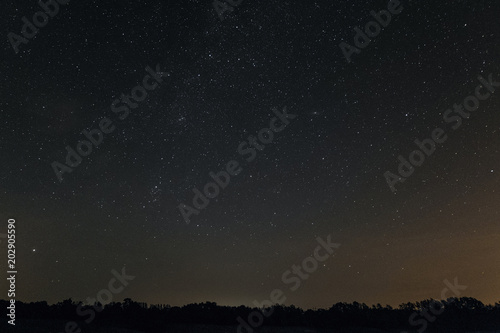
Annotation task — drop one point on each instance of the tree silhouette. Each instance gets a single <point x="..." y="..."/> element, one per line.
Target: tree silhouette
<point x="458" y="315"/>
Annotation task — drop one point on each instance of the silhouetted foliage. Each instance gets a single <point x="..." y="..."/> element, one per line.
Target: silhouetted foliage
<point x="456" y="315"/>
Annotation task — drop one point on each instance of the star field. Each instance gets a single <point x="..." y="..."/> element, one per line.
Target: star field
<point x="322" y="175"/>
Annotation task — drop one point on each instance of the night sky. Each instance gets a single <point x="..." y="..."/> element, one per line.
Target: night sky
<point x="323" y="174"/>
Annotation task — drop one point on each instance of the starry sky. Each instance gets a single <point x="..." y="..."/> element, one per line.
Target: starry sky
<point x="322" y="175"/>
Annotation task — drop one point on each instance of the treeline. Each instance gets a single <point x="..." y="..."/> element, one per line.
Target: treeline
<point x="454" y="314"/>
